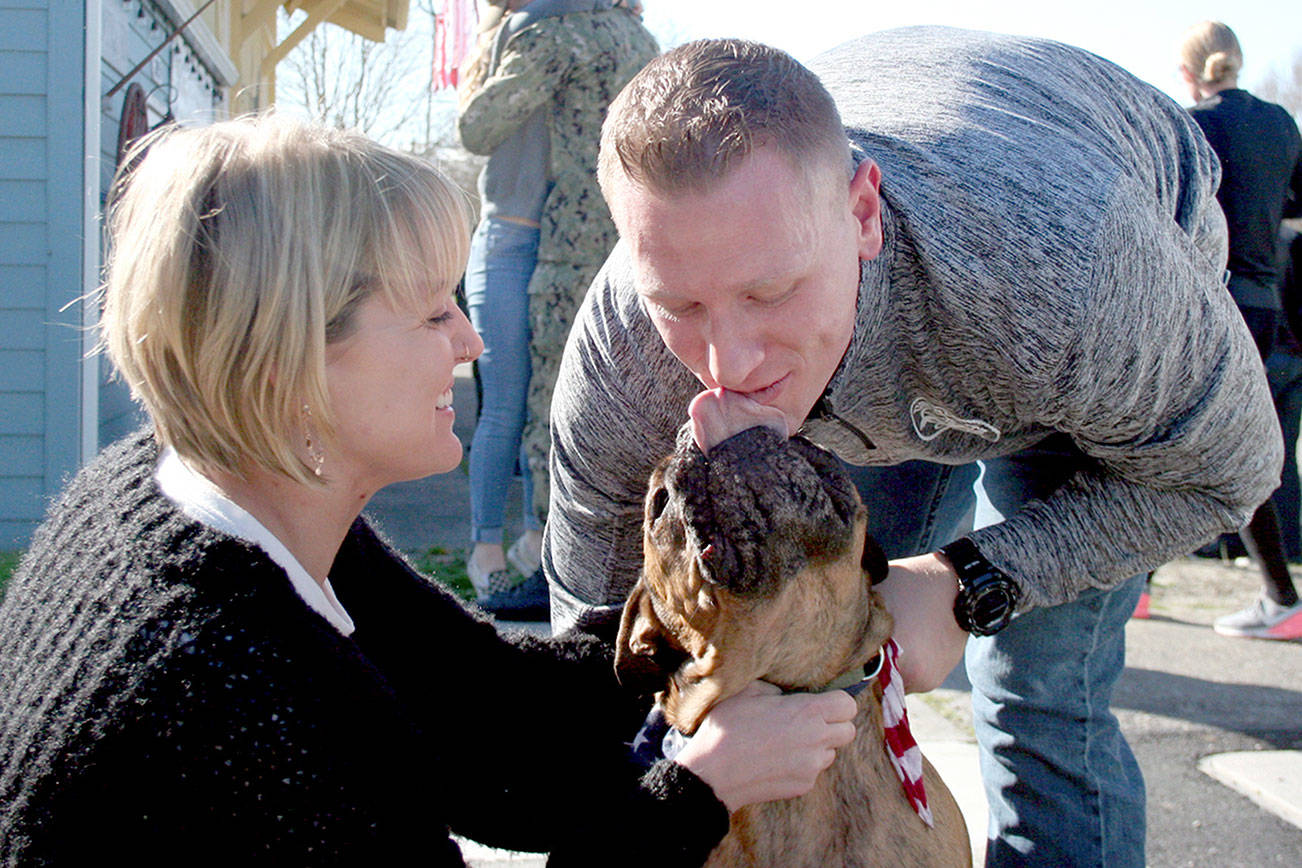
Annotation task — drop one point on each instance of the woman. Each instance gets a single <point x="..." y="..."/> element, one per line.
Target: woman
<point x="1261" y="161"/>
<point x="503" y="250"/>
<point x="533" y="102"/>
<point x="206" y="655"/>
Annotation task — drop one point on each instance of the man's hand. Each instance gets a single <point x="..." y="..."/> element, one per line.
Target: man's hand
<point x="920" y="592"/>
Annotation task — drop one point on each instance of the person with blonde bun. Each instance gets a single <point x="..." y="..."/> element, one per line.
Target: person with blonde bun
<point x="207" y="655"/>
<point x="1260" y="152"/>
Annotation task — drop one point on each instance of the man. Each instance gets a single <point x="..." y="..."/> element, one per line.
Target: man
<point x="1017" y="259"/>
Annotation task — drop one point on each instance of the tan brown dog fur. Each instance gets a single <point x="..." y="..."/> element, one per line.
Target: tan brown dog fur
<point x="699" y="641"/>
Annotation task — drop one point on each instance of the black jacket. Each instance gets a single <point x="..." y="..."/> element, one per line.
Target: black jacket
<point x="165" y="696"/>
<point x="1261" y="166"/>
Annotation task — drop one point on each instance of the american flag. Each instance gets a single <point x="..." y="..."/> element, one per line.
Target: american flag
<point x="454" y="34"/>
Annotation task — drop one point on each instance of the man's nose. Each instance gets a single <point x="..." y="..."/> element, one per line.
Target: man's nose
<point x="734" y="355"/>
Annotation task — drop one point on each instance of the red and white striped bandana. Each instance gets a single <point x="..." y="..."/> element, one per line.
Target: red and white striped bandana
<point x="900" y="747"/>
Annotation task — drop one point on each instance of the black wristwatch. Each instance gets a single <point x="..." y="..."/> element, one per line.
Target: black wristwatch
<point x="987" y="597"/>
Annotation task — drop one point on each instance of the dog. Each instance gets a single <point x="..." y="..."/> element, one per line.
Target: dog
<point x="757" y="565"/>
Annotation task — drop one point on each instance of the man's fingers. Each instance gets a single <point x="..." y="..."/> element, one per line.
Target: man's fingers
<point x="761" y="688"/>
<point x="718" y="414"/>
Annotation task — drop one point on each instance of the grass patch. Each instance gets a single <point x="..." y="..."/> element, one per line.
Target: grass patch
<point x="8" y="563"/>
<point x="952" y="705"/>
<point x="448" y="568"/>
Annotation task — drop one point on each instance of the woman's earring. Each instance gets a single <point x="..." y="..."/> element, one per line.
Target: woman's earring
<point x="314" y="451"/>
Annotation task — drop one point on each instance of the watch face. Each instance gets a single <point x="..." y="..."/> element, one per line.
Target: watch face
<point x="990" y="607"/>
<point x="987" y="598"/>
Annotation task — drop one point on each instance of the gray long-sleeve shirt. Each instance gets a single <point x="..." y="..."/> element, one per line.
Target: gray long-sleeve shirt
<point x="1053" y="262"/>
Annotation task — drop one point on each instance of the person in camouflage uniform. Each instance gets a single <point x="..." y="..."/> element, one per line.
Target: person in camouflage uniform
<point x="574" y="63"/>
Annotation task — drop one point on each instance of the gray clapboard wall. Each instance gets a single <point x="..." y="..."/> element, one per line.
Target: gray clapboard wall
<point x="58" y="152"/>
<point x="44" y="387"/>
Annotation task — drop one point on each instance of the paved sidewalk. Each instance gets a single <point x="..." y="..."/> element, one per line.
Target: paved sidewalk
<point x="1215" y="723"/>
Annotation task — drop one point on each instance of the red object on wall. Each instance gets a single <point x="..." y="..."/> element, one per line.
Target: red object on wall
<point x="135" y="119"/>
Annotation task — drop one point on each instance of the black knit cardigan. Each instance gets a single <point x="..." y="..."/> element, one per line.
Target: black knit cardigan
<point x="166" y="697"/>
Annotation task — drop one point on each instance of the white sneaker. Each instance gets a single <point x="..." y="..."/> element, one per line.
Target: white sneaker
<point x="525" y="557"/>
<point x="1264" y="619"/>
<point x="488" y="583"/>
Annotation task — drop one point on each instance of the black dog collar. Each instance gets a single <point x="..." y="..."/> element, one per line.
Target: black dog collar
<point x="856" y="681"/>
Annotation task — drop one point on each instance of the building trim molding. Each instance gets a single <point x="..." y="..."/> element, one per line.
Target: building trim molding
<point x="200" y="37"/>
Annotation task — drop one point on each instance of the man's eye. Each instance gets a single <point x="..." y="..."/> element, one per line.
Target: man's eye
<point x="670" y="313"/>
<point x="439" y="319"/>
<point x="776" y="298"/>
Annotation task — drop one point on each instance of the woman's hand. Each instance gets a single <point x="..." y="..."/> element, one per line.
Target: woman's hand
<point x="761" y="745"/>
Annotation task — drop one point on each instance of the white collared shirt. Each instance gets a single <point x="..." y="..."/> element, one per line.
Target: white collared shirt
<point x="204" y="502"/>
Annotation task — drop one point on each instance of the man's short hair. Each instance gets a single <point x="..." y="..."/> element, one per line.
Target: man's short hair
<point x="695" y="113"/>
<point x="238" y="251"/>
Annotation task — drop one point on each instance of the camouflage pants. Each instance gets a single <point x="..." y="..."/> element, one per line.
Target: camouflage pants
<point x="555" y="292"/>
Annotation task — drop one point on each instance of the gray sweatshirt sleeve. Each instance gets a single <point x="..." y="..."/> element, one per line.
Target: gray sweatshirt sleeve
<point x="1177" y="413"/>
<point x="620" y="395"/>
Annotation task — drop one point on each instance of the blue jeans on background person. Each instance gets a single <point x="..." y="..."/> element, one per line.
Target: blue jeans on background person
<point x="502" y="257"/>
<point x="1062" y="784"/>
<point x="1284" y="371"/>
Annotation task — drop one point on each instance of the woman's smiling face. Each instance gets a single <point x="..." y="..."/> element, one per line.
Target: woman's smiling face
<point x="390" y="381"/>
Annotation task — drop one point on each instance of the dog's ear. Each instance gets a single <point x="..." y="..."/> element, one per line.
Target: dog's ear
<point x="645" y="656"/>
<point x="873" y="560"/>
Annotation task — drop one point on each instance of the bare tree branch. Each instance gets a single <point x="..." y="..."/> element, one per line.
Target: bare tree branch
<point x="382" y="89"/>
<point x="1284" y="88"/>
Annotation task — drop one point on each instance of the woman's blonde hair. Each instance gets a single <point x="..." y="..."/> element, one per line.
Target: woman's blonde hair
<point x="238" y="251"/>
<point x="1211" y="53"/>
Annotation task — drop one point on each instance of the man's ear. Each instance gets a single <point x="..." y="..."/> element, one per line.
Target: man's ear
<point x="645" y="655"/>
<point x="866" y="206"/>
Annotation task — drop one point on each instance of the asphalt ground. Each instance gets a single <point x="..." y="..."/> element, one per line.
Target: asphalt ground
<point x="1216" y="723"/>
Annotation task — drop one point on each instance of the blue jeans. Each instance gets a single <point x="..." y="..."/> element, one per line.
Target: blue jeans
<point x="1284" y="370"/>
<point x="502" y="257"/>
<point x="1063" y="787"/>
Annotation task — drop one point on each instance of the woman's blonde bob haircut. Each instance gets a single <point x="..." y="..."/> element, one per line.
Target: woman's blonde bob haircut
<point x="1211" y="53"/>
<point x="238" y="251"/>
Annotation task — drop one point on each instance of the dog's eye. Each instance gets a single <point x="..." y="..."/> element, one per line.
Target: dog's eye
<point x="659" y="500"/>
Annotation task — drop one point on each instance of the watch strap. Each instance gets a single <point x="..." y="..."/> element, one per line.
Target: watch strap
<point x="966" y="559"/>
